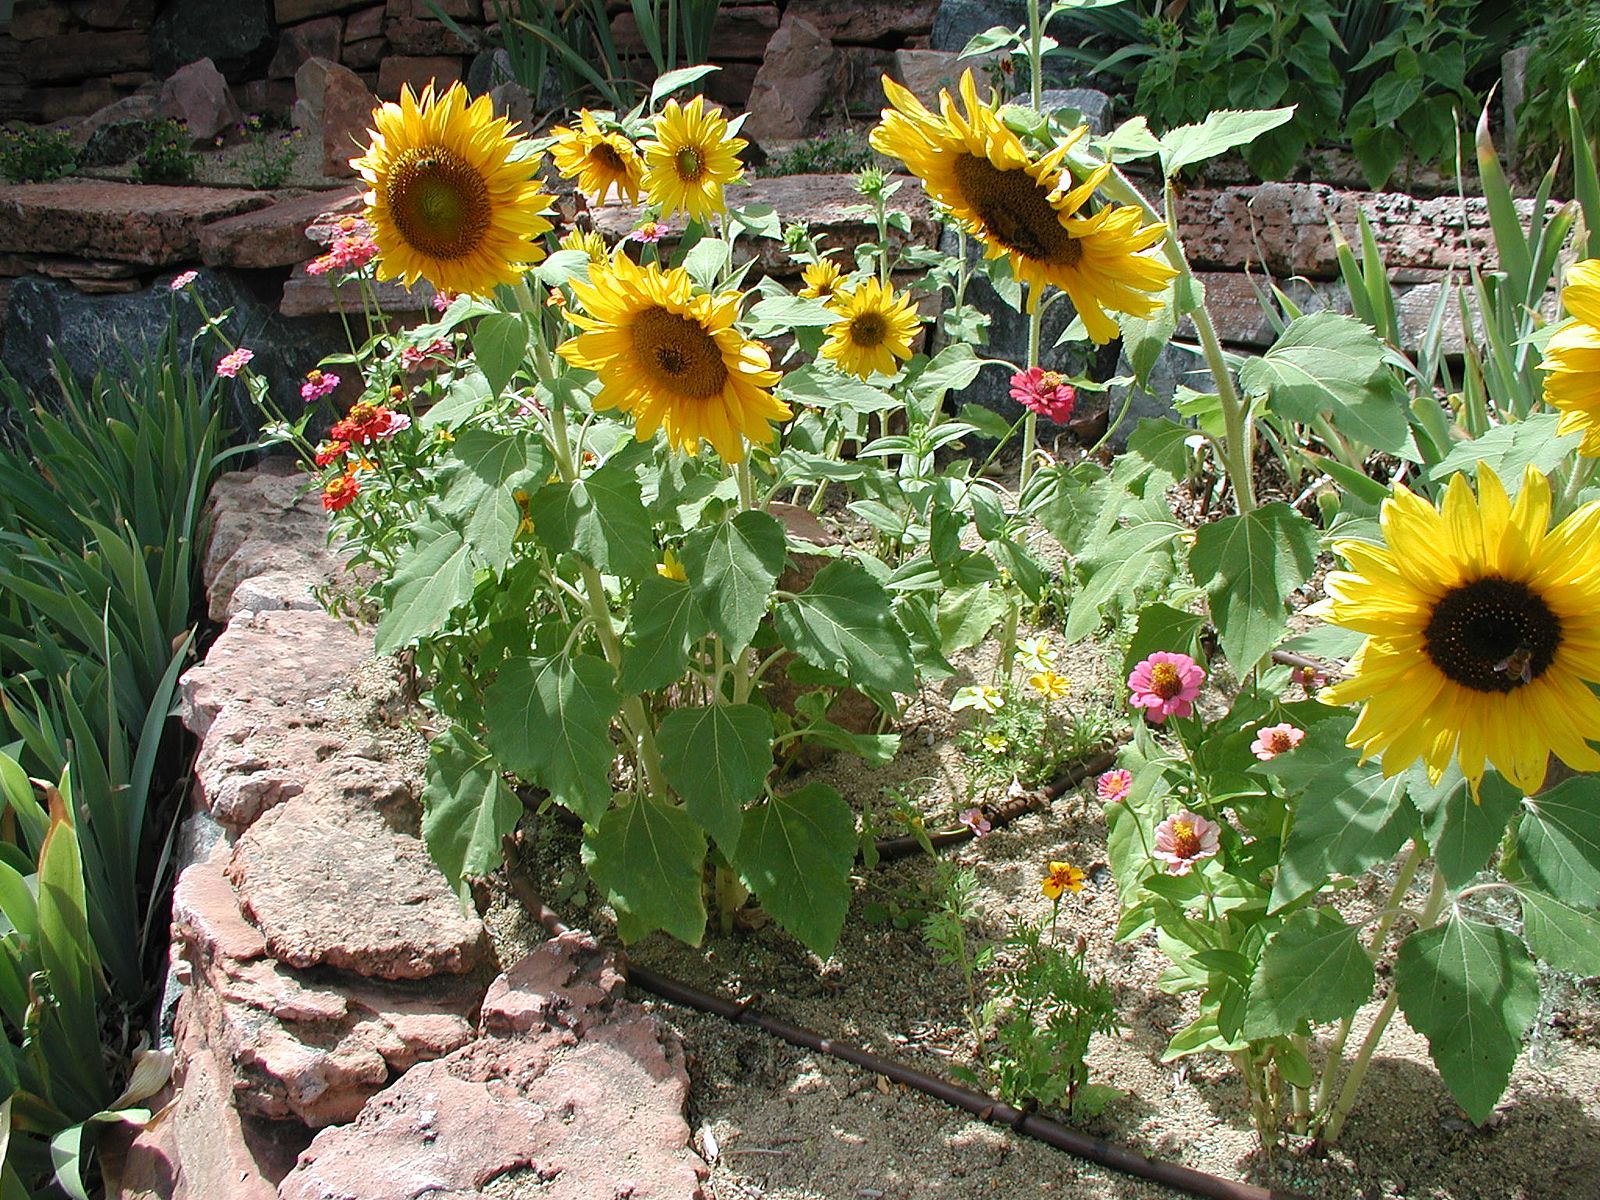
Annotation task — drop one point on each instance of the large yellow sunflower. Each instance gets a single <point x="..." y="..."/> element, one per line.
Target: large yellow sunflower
<point x="875" y="327"/>
<point x="690" y="160"/>
<point x="1025" y="208"/>
<point x="601" y="160"/>
<point x="1483" y="632"/>
<point x="449" y="203"/>
<point x="1572" y="357"/>
<point x="673" y="359"/>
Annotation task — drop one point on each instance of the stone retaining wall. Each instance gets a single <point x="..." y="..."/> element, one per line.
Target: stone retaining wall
<point x="343" y="1030"/>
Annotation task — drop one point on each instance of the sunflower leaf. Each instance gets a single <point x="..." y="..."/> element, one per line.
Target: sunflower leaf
<point x="648" y="858"/>
<point x="1314" y="969"/>
<point x="717" y="758"/>
<point x="1462" y="829"/>
<point x="1189" y="144"/>
<point x="429" y="582"/>
<point x="499" y="343"/>
<point x="1557" y="845"/>
<point x="466" y="808"/>
<point x="843" y="623"/>
<point x="732" y="567"/>
<point x="795" y="854"/>
<point x="664" y="621"/>
<point x="1249" y="565"/>
<point x="549" y="720"/>
<point x="1472" y="990"/>
<point x="1567" y="936"/>
<point x="599" y="517"/>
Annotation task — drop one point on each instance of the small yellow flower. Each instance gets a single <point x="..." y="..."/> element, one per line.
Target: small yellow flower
<point x="671" y="568"/>
<point x="1061" y="877"/>
<point x="981" y="696"/>
<point x="601" y="160"/>
<point x="1036" y="654"/>
<point x="1049" y="685"/>
<point x="876" y="326"/>
<point x="821" y="280"/>
<point x="691" y="159"/>
<point x="996" y="743"/>
<point x="591" y="241"/>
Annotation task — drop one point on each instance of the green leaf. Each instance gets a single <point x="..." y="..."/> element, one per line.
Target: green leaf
<point x="1139" y="553"/>
<point x="795" y="854"/>
<point x="477" y="493"/>
<point x="465" y="397"/>
<point x="1472" y="991"/>
<point x="466" y="809"/>
<point x="1348" y="816"/>
<point x="601" y="518"/>
<point x="843" y="623"/>
<point x="1558" y="840"/>
<point x="1462" y="830"/>
<point x="717" y="758"/>
<point x="1249" y="565"/>
<point x="664" y="622"/>
<point x="1508" y="449"/>
<point x="1334" y="364"/>
<point x="1162" y="627"/>
<point x="1314" y="969"/>
<point x="672" y="81"/>
<point x="1567" y="936"/>
<point x="429" y="581"/>
<point x="819" y="387"/>
<point x="731" y="568"/>
<point x="499" y="343"/>
<point x="793" y="311"/>
<point x="648" y="857"/>
<point x="549" y="720"/>
<point x="1222" y="130"/>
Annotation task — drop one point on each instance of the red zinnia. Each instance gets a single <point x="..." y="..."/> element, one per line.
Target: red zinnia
<point x="1044" y="392"/>
<point x="339" y="491"/>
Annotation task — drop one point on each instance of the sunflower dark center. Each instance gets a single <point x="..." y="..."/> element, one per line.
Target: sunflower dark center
<point x="678" y="353"/>
<point x="869" y="329"/>
<point x="608" y="157"/>
<point x="1492" y="635"/>
<point x="1016" y="210"/>
<point x="439" y="201"/>
<point x="691" y="165"/>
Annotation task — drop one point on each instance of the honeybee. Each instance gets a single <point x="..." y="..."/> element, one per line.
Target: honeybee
<point x="1518" y="664"/>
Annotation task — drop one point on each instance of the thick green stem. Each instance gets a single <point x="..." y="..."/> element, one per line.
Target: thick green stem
<point x="1035" y="55"/>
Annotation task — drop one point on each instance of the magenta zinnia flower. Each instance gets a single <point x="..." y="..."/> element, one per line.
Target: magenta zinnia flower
<point x="1184" y="839"/>
<point x="1044" y="392"/>
<point x="1273" y="740"/>
<point x="179" y="282"/>
<point x="229" y="365"/>
<point x="974" y="820"/>
<point x="317" y="385"/>
<point x="650" y="232"/>
<point x="1114" y="786"/>
<point x="1165" y="685"/>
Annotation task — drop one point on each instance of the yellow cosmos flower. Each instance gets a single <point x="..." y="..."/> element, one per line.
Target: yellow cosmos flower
<point x="448" y="201"/>
<point x="601" y="160"/>
<point x="1049" y="685"/>
<point x="821" y="280"/>
<point x="1025" y="208"/>
<point x="1572" y="357"/>
<point x="673" y="359"/>
<point x="1483" y="632"/>
<point x="690" y="160"/>
<point x="1061" y="877"/>
<point x="591" y="241"/>
<point x="875" y="327"/>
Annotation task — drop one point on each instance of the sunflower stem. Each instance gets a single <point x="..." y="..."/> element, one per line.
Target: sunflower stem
<point x="1035" y="56"/>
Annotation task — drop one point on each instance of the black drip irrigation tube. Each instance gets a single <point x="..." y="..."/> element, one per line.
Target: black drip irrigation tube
<point x="981" y="1105"/>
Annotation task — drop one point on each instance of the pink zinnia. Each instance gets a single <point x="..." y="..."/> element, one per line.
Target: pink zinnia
<point x="650" y="231"/>
<point x="317" y="385"/>
<point x="1273" y="740"/>
<point x="1044" y="392"/>
<point x="441" y="301"/>
<point x="394" y="424"/>
<point x="230" y="363"/>
<point x="180" y="282"/>
<point x="1309" y="678"/>
<point x="974" y="820"/>
<point x="1165" y="685"/>
<point x="1184" y="839"/>
<point x="1114" y="786"/>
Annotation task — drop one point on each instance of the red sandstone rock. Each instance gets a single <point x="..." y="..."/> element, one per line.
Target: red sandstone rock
<point x="797" y="76"/>
<point x="150" y="225"/>
<point x="268" y="237"/>
<point x="891" y="22"/>
<point x="70" y="56"/>
<point x="396" y="71"/>
<point x="308" y="295"/>
<point x="320" y="37"/>
<point x="414" y="35"/>
<point x="586" y="1098"/>
<point x="740" y="32"/>
<point x="368" y="23"/>
<point x="289" y="12"/>
<point x="330" y="882"/>
<point x="347" y="107"/>
<point x="255" y="757"/>
<point x="198" y="96"/>
<point x="365" y="54"/>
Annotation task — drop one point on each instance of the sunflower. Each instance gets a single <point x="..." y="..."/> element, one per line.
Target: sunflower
<point x="673" y="359"/>
<point x="601" y="160"/>
<point x="1027" y="209"/>
<point x="821" y="280"/>
<point x="590" y="241"/>
<point x="690" y="159"/>
<point x="452" y="200"/>
<point x="1572" y="357"/>
<point x="875" y="327"/>
<point x="1483" y="632"/>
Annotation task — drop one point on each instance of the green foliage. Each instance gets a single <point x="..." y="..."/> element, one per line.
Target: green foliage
<point x="269" y="153"/>
<point x="1563" y="61"/>
<point x="36" y="155"/>
<point x="842" y="152"/>
<point x="168" y="157"/>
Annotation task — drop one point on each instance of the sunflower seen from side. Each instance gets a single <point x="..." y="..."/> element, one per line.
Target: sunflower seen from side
<point x="1027" y="209"/>
<point x="601" y="160"/>
<point x="820" y="280"/>
<point x="690" y="160"/>
<point x="1572" y="358"/>
<point x="875" y="328"/>
<point x="673" y="360"/>
<point x="452" y="199"/>
<point x="1483" y="632"/>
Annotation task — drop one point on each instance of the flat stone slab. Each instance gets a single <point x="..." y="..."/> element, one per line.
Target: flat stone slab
<point x="330" y="881"/>
<point x="267" y="527"/>
<point x="274" y="236"/>
<point x="151" y="225"/>
<point x="569" y="1089"/>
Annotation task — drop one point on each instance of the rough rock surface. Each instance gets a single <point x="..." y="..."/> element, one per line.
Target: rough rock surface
<point x="235" y="34"/>
<point x="873" y="22"/>
<point x="796" y="78"/>
<point x="347" y="106"/>
<point x="568" y="1086"/>
<point x="138" y="223"/>
<point x="268" y="237"/>
<point x="197" y="95"/>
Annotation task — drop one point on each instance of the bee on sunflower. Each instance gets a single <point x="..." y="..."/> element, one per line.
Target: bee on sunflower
<point x="1027" y="209"/>
<point x="452" y="200"/>
<point x="876" y="326"/>
<point x="690" y="160"/>
<point x="673" y="359"/>
<point x="1483" y="632"/>
<point x="1572" y="358"/>
<point x="601" y="160"/>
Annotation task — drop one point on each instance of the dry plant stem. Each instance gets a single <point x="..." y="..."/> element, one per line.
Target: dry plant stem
<point x="1437" y="894"/>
